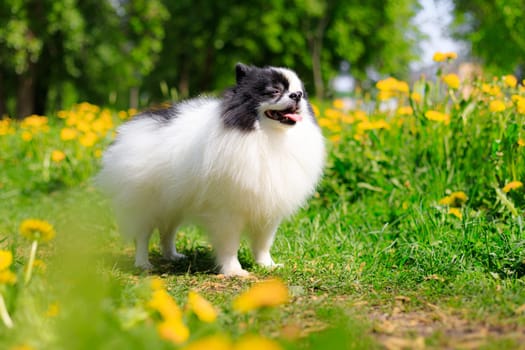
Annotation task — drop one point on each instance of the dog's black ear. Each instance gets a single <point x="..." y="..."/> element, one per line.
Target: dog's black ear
<point x="241" y="70"/>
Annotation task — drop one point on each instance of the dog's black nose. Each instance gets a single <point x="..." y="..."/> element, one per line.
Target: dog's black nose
<point x="296" y="96"/>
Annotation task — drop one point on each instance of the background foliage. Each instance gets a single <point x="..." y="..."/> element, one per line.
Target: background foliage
<point x="133" y="52"/>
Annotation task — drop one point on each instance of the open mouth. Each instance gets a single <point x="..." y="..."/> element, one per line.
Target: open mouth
<point x="287" y="116"/>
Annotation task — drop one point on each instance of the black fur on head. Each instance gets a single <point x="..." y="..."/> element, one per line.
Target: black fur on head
<point x="254" y="86"/>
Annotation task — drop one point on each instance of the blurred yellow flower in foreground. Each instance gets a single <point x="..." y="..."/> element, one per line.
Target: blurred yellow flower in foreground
<point x="53" y="310"/>
<point x="256" y="342"/>
<point x="512" y="186"/>
<point x="57" y="156"/>
<point x="268" y="293"/>
<point x="510" y="80"/>
<point x="37" y="230"/>
<point x="174" y="331"/>
<point x="497" y="106"/>
<point x="6" y="259"/>
<point x="165" y="305"/>
<point x="201" y="307"/>
<point x="452" y="80"/>
<point x="27" y="136"/>
<point x="438" y="116"/>
<point x="212" y="342"/>
<point x="455" y="199"/>
<point x="521" y="142"/>
<point x="338" y="103"/>
<point x="89" y="139"/>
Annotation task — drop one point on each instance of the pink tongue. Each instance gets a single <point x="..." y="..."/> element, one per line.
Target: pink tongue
<point x="294" y="117"/>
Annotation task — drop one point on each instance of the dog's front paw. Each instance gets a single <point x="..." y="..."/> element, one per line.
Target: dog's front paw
<point x="144" y="265"/>
<point x="265" y="260"/>
<point x="234" y="272"/>
<point x="173" y="256"/>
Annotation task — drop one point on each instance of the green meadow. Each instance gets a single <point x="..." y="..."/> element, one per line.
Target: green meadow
<point x="414" y="239"/>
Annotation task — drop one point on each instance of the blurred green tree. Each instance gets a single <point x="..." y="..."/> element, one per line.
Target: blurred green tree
<point x="205" y="39"/>
<point x="495" y="29"/>
<point x="101" y="48"/>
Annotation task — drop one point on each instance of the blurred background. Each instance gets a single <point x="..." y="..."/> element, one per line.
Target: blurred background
<point x="133" y="53"/>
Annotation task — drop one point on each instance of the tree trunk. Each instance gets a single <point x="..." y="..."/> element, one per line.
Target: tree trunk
<point x="3" y="107"/>
<point x="25" y="96"/>
<point x="316" y="47"/>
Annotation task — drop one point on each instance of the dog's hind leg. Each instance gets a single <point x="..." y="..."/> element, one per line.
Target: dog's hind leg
<point x="137" y="228"/>
<point x="167" y="245"/>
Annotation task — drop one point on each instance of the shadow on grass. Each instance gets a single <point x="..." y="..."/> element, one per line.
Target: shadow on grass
<point x="199" y="260"/>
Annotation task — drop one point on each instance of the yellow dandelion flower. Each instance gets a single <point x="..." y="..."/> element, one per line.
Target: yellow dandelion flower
<point x="89" y="139"/>
<point x="405" y="110"/>
<point x="6" y="259"/>
<point x="201" y="307"/>
<point x="347" y="119"/>
<point x="315" y="109"/>
<point x="451" y="55"/>
<point x="5" y="127"/>
<point x="510" y="81"/>
<point x="452" y="80"/>
<point x="40" y="264"/>
<point x="338" y="103"/>
<point x="335" y="138"/>
<point x="268" y="293"/>
<point x="22" y="347"/>
<point x="165" y="305"/>
<point x="455" y="199"/>
<point x="67" y="134"/>
<point x="439" y="57"/>
<point x="416" y="97"/>
<point x="513" y="185"/>
<point x="444" y="56"/>
<point x="521" y="142"/>
<point x="174" y="331"/>
<point x="157" y="283"/>
<point x="34" y="121"/>
<point x="122" y="114"/>
<point x="53" y="310"/>
<point x="331" y="113"/>
<point x="37" y="230"/>
<point x="57" y="156"/>
<point x="27" y="136"/>
<point x="521" y="106"/>
<point x="256" y="342"/>
<point x="360" y="115"/>
<point x="497" y="106"/>
<point x="212" y="342"/>
<point x="438" y="116"/>
<point x="372" y="125"/>
<point x="492" y="90"/>
<point x="132" y="112"/>
<point x="456" y="212"/>
<point x="7" y="277"/>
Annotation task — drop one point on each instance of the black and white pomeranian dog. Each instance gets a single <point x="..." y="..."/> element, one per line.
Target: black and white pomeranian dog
<point x="240" y="163"/>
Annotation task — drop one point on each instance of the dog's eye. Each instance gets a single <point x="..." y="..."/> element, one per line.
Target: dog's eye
<point x="274" y="91"/>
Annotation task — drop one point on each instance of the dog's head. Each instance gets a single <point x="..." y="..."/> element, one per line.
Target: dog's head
<point x="270" y="96"/>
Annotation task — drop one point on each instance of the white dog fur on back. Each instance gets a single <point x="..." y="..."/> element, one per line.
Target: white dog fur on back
<point x="241" y="163"/>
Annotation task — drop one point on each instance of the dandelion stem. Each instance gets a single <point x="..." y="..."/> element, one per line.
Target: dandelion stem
<point x="4" y="314"/>
<point x="32" y="255"/>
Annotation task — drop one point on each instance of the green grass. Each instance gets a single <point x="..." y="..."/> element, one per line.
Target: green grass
<point x="373" y="260"/>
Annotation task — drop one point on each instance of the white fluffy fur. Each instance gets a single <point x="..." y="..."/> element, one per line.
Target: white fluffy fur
<point x="196" y="170"/>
